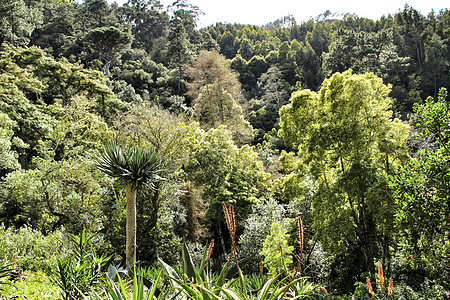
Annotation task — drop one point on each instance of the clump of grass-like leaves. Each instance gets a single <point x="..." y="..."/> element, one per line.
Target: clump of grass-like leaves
<point x="5" y="269"/>
<point x="130" y="163"/>
<point x="79" y="273"/>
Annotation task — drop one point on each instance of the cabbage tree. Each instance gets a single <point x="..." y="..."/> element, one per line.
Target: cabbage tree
<point x="135" y="166"/>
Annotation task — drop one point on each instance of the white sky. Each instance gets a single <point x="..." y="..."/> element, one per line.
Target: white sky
<point x="260" y="12"/>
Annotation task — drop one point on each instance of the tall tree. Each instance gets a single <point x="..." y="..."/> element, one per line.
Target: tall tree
<point x="45" y="146"/>
<point x="411" y="24"/>
<point x="274" y="89"/>
<point x="17" y="21"/>
<point x="9" y="156"/>
<point x="57" y="31"/>
<point x="225" y="173"/>
<point x="365" y="52"/>
<point x="148" y="22"/>
<point x="181" y="28"/>
<point x="93" y="14"/>
<point x="135" y="166"/>
<point x="216" y="90"/>
<point x="309" y="65"/>
<point x="435" y="65"/>
<point x="107" y="43"/>
<point x="286" y="63"/>
<point x="178" y="47"/>
<point x="348" y="141"/>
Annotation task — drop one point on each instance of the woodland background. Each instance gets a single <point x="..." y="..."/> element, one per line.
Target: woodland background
<point x="325" y="119"/>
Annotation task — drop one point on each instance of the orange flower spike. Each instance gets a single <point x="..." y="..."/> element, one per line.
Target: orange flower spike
<point x="210" y="249"/>
<point x="369" y="286"/>
<point x="380" y="274"/>
<point x="391" y="286"/>
<point x="208" y="254"/>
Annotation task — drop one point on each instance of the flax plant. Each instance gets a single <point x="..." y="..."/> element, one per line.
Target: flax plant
<point x="301" y="240"/>
<point x="118" y="290"/>
<point x="5" y="269"/>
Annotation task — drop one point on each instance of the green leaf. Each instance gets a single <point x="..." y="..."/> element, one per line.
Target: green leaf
<point x="173" y="275"/>
<point x="188" y="266"/>
<point x="236" y="269"/>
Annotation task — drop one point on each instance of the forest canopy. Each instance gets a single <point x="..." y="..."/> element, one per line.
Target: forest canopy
<point x="341" y="123"/>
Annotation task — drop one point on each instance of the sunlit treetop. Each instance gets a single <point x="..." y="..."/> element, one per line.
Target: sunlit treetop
<point x="64" y="1"/>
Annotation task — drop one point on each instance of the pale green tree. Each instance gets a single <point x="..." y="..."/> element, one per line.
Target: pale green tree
<point x="216" y="91"/>
<point x="276" y="251"/>
<point x="8" y="156"/>
<point x="348" y="141"/>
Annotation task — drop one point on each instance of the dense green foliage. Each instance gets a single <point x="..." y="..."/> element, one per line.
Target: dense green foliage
<point x="322" y="119"/>
<point x="421" y="193"/>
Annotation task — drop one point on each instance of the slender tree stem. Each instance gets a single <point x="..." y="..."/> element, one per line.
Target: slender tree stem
<point x="130" y="224"/>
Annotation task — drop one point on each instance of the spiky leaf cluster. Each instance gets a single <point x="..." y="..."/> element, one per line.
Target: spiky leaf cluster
<point x="130" y="163"/>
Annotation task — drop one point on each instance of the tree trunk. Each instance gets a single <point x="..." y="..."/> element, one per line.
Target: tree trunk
<point x="103" y="105"/>
<point x="180" y="76"/>
<point x="323" y="172"/>
<point x="131" y="224"/>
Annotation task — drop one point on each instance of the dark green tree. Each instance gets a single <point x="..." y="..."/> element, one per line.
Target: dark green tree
<point x="106" y="44"/>
<point x="57" y="32"/>
<point x="436" y="65"/>
<point x="178" y="47"/>
<point x="148" y="22"/>
<point x="286" y="63"/>
<point x="246" y="49"/>
<point x="17" y="21"/>
<point x="92" y="14"/>
<point x="226" y="44"/>
<point x="411" y="24"/>
<point x="365" y="52"/>
<point x="309" y="65"/>
<point x="422" y="192"/>
<point x="225" y="173"/>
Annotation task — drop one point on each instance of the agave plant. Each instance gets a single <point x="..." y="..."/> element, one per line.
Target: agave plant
<point x="135" y="166"/>
<point x="197" y="281"/>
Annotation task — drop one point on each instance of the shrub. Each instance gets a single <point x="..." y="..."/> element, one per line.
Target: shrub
<point x="276" y="251"/>
<point x="34" y="285"/>
<point x="257" y="227"/>
<point x="30" y="249"/>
